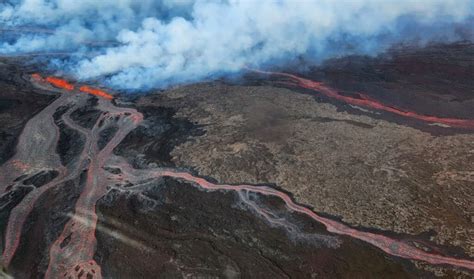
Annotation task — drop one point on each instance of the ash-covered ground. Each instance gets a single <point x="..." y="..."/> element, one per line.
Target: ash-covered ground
<point x="378" y="173"/>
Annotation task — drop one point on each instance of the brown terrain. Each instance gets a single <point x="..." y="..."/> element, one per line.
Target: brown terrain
<point x="261" y="178"/>
<point x="350" y="162"/>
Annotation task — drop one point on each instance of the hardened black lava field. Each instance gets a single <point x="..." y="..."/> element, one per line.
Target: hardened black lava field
<point x="359" y="168"/>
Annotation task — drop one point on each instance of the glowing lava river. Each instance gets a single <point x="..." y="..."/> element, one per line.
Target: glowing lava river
<point x="367" y="102"/>
<point x="71" y="255"/>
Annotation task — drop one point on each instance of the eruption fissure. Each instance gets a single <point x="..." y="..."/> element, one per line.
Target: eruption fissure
<point x="64" y="84"/>
<point x="60" y="83"/>
<point x="72" y="253"/>
<point x="95" y="91"/>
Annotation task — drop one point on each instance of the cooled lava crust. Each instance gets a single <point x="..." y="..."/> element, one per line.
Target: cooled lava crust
<point x="265" y="178"/>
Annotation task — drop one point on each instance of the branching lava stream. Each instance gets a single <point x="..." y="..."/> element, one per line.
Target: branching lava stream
<point x="72" y="253"/>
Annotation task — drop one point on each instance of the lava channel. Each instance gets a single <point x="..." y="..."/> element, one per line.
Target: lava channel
<point x="72" y="253"/>
<point x="367" y="102"/>
<point x="60" y="83"/>
<point x="96" y="92"/>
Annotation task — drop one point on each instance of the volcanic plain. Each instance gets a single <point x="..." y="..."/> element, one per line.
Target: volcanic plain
<point x="362" y="167"/>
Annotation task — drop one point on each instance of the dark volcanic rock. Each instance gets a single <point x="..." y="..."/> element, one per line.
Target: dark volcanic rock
<point x="435" y="80"/>
<point x="43" y="227"/>
<point x="70" y="144"/>
<point x="106" y="135"/>
<point x="156" y="137"/>
<point x="372" y="174"/>
<point x="41" y="178"/>
<point x="371" y="168"/>
<point x="8" y="201"/>
<point x="19" y="101"/>
<point x="180" y="230"/>
<point x="87" y="115"/>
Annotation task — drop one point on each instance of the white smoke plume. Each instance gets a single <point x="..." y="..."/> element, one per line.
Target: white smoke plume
<point x="139" y="44"/>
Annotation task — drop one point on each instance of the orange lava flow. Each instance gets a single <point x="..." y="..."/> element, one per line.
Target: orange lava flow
<point x="63" y="84"/>
<point x="96" y="92"/>
<point x="60" y="83"/>
<point x="37" y="77"/>
<point x="71" y="255"/>
<point x="367" y="102"/>
<point x="389" y="245"/>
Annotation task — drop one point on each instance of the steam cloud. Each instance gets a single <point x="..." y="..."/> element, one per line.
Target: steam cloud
<point x="142" y="44"/>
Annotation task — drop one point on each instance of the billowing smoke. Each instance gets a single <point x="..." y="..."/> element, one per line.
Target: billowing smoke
<point x="134" y="44"/>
